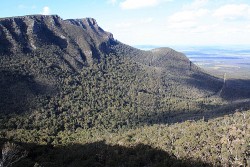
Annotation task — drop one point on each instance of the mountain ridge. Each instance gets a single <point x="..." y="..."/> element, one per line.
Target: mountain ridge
<point x="76" y="68"/>
<point x="72" y="95"/>
<point x="83" y="39"/>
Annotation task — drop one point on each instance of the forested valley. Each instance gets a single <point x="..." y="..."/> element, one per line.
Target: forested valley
<point x="114" y="105"/>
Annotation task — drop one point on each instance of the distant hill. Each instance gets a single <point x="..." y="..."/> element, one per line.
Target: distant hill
<point x="68" y="74"/>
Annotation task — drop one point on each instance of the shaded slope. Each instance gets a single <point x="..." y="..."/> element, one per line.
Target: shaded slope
<point x="19" y="92"/>
<point x="173" y="69"/>
<point x="102" y="155"/>
<point x="95" y="80"/>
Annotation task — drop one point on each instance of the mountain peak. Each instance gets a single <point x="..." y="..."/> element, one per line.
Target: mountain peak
<point x="162" y="49"/>
<point x="83" y="39"/>
<point x="50" y="67"/>
<point x="91" y="21"/>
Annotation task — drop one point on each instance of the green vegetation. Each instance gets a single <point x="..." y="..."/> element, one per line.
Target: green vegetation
<point x="218" y="142"/>
<point x="120" y="106"/>
<point x="97" y="102"/>
<point x="118" y="92"/>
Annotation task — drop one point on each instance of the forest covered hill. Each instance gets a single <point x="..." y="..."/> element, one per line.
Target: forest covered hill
<point x="60" y="77"/>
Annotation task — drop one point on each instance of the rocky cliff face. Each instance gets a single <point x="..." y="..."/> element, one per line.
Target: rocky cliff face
<point x="55" y="71"/>
<point x="80" y="39"/>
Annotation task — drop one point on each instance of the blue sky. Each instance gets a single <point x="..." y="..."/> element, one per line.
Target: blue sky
<point x="152" y="22"/>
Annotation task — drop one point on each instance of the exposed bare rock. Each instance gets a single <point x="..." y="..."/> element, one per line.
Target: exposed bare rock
<point x="82" y="40"/>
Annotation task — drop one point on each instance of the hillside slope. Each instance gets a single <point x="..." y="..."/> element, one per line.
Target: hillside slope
<point x="68" y="74"/>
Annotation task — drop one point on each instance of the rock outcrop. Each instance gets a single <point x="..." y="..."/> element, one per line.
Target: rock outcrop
<point x="81" y="39"/>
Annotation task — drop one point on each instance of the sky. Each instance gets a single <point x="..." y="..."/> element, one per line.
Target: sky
<point x="152" y="22"/>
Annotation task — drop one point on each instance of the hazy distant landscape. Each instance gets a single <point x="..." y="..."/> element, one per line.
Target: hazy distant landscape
<point x="218" y="60"/>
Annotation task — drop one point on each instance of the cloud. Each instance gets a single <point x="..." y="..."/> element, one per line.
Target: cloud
<point x="182" y="25"/>
<point x="188" y="15"/>
<point x="147" y="20"/>
<point x="137" y="4"/>
<point x="205" y="28"/>
<point x="192" y="22"/>
<point x="188" y="21"/>
<point x="46" y="11"/>
<point x="196" y="4"/>
<point x="233" y="12"/>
